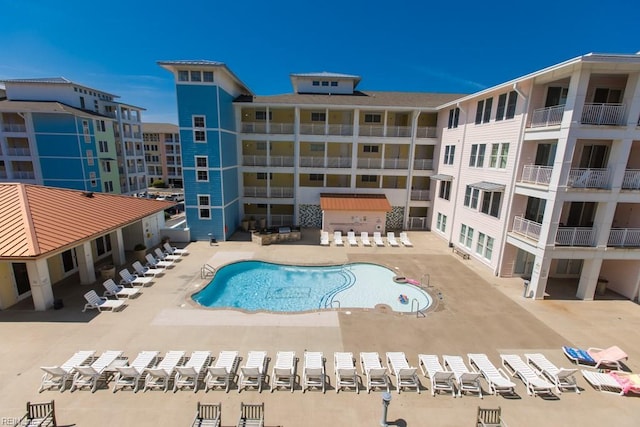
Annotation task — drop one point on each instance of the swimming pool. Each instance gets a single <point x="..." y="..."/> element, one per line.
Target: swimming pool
<point x="263" y="286"/>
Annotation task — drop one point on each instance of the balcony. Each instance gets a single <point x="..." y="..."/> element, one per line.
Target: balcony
<point x="575" y="236"/>
<point x="526" y="227"/>
<point x="24" y="175"/>
<point x="275" y="192"/>
<point x="631" y="180"/>
<point x="18" y="151"/>
<point x="423" y="164"/>
<point x="14" y="127"/>
<point x="254" y="160"/>
<point x="549" y="116"/>
<point x="624" y="237"/>
<point x="534" y="174"/>
<point x="398" y="131"/>
<point x="396" y="164"/>
<point x="426" y="132"/>
<point x="417" y="223"/>
<point x="344" y="130"/>
<point x="420" y="195"/>
<point x="261" y="127"/>
<point x="603" y="114"/>
<point x="371" y="130"/>
<point x="281" y="161"/>
<point x="312" y="128"/>
<point x="588" y="178"/>
<point x="338" y="162"/>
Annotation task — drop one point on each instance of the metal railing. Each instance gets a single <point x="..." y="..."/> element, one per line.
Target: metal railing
<point x="417" y="223"/>
<point x="420" y="194"/>
<point x="603" y="114"/>
<point x="18" y="151"/>
<point x="535" y="174"/>
<point x="207" y="271"/>
<point x="631" y="180"/>
<point x="281" y="161"/>
<point x="526" y="227"/>
<point x="396" y="163"/>
<point x="371" y="130"/>
<point x="588" y="178"/>
<point x="14" y="127"/>
<point x="398" y="131"/>
<point x="426" y="132"/>
<point x="281" y="192"/>
<point x="575" y="236"/>
<point x="248" y="160"/>
<point x="338" y="162"/>
<point x="281" y="128"/>
<point x="340" y="130"/>
<point x="370" y="163"/>
<point x="419" y="313"/>
<point x="548" y="116"/>
<point x="312" y="128"/>
<point x="423" y="164"/>
<point x="624" y="237"/>
<point x="255" y="192"/>
<point x="254" y="127"/>
<point x="312" y="161"/>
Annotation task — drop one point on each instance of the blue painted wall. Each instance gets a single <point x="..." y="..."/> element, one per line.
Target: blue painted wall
<point x="229" y="150"/>
<point x="227" y="113"/>
<point x="57" y="123"/>
<point x="197" y="100"/>
<point x="231" y="185"/>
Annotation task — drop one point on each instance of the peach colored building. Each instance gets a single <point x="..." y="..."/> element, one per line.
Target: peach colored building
<point x="162" y="153"/>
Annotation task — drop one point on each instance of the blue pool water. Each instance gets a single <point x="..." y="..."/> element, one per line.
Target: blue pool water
<point x="262" y="286"/>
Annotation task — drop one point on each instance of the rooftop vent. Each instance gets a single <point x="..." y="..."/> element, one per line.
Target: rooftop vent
<point x="88" y="194"/>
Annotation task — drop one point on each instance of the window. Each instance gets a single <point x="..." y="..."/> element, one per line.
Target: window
<point x="198" y="122"/>
<point x="85" y="131"/>
<point x="449" y="153"/>
<point x="100" y="125"/>
<point x="334" y="84"/>
<point x="466" y="236"/>
<point x="369" y="178"/>
<point x="108" y="186"/>
<point x="103" y="244"/>
<point x="263" y="176"/>
<point x="477" y="155"/>
<point x="316" y="177"/>
<point x="316" y="148"/>
<point x="82" y="102"/>
<point x="199" y="125"/>
<point x="92" y="177"/>
<point x="202" y="162"/>
<point x="325" y="83"/>
<point x="502" y="103"/>
<point x="471" y="196"/>
<point x="106" y="166"/>
<point x="204" y="213"/>
<point x="183" y="76"/>
<point x="480" y="244"/>
<point x="318" y="117"/>
<point x="442" y="222"/>
<point x="511" y="106"/>
<point x="196" y="76"/>
<point x="207" y="76"/>
<point x="202" y="176"/>
<point x="454" y="116"/>
<point x="488" y="252"/>
<point x="372" y="118"/>
<point x="507" y="105"/>
<point x="491" y="203"/>
<point x="445" y="190"/>
<point x="371" y="149"/>
<point x="499" y="154"/>
<point x="483" y="111"/>
<point x="316" y="83"/>
<point x="262" y="115"/>
<point x="204" y="200"/>
<point x="261" y="146"/>
<point x="90" y="157"/>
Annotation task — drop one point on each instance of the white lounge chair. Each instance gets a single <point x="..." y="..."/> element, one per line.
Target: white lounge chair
<point x="190" y="373"/>
<point x="223" y="372"/>
<point x="391" y="238"/>
<point x="156" y="263"/>
<point x="164" y="256"/>
<point x="466" y="381"/>
<point x="497" y="379"/>
<point x="132" y="279"/>
<point x="89" y="376"/>
<point x="406" y="375"/>
<point x="337" y="238"/>
<point x="404" y="239"/>
<point x="373" y="371"/>
<point x="160" y="375"/>
<point x="377" y="239"/>
<point x="560" y="377"/>
<point x="96" y="301"/>
<point x="346" y="375"/>
<point x="615" y="382"/>
<point x="118" y="291"/>
<point x="441" y="379"/>
<point x="351" y="238"/>
<point x="130" y="375"/>
<point x="58" y="376"/>
<point x="324" y="238"/>
<point x="518" y="368"/>
<point x="284" y="371"/>
<point x="364" y="236"/>
<point x="172" y="250"/>
<point x="253" y="371"/>
<point x="208" y="415"/>
<point x="142" y="271"/>
<point x="313" y="371"/>
<point x="251" y="415"/>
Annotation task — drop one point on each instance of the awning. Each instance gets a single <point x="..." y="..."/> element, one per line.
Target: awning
<point x="488" y="186"/>
<point x="442" y="177"/>
<point x="354" y="202"/>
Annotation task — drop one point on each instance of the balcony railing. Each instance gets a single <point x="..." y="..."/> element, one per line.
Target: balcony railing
<point x="281" y="128"/>
<point x="371" y="130"/>
<point x="18" y="151"/>
<point x="276" y="192"/>
<point x="14" y="127"/>
<point x="312" y="128"/>
<point x="426" y="132"/>
<point x="338" y="162"/>
<point x="254" y="127"/>
<point x="624" y="237"/>
<point x="396" y="163"/>
<point x="423" y="164"/>
<point x="398" y="131"/>
<point x="603" y="114"/>
<point x="370" y="163"/>
<point x="312" y="162"/>
<point x="340" y="130"/>
<point x="631" y="179"/>
<point x="588" y="178"/>
<point x="417" y="223"/>
<point x="255" y="192"/>
<point x="526" y="227"/>
<point x="575" y="236"/>
<point x="535" y="174"/>
<point x="548" y="116"/>
<point x="281" y="161"/>
<point x="24" y="175"/>
<point x="254" y="160"/>
<point x="420" y="194"/>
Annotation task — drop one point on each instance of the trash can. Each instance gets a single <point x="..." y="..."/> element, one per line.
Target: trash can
<point x="601" y="287"/>
<point x="525" y="292"/>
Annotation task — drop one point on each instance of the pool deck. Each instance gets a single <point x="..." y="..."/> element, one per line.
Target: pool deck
<point x="476" y="312"/>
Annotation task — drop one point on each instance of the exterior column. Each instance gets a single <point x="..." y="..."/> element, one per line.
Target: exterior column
<point x="117" y="248"/>
<point x="85" y="264"/>
<point x="41" y="291"/>
<point x="539" y="277"/>
<point x="589" y="278"/>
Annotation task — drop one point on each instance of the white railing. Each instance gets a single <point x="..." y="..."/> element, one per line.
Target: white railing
<point x="281" y="128"/>
<point x="371" y="130"/>
<point x="248" y="160"/>
<point x="254" y="127"/>
<point x="420" y="194"/>
<point x="18" y="151"/>
<point x="370" y="163"/>
<point x="312" y="161"/>
<point x="548" y="116"/>
<point x="603" y="114"/>
<point x="278" y="220"/>
<point x="426" y="132"/>
<point x="281" y="192"/>
<point x="281" y="161"/>
<point x="526" y="227"/>
<point x="255" y="192"/>
<point x="396" y="163"/>
<point x="624" y="237"/>
<point x="588" y="178"/>
<point x="340" y="129"/>
<point x="14" y="127"/>
<point x="631" y="179"/>
<point x="575" y="236"/>
<point x="536" y="174"/>
<point x="423" y="164"/>
<point x="398" y="131"/>
<point x="417" y="223"/>
<point x="312" y="128"/>
<point x="338" y="162"/>
<point x="24" y="175"/>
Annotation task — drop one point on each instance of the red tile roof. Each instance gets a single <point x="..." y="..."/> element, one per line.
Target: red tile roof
<point x="354" y="202"/>
<point x="36" y="220"/>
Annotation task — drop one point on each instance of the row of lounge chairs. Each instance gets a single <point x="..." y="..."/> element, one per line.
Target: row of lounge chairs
<point x="364" y="239"/>
<point x="130" y="283"/>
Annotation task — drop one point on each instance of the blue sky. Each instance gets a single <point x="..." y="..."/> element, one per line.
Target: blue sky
<point x="420" y="46"/>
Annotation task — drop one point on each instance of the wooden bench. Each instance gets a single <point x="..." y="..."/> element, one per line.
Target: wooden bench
<point x="39" y="414"/>
<point x="489" y="418"/>
<point x="458" y="251"/>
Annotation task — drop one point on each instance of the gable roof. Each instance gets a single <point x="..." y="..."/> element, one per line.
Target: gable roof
<point x="37" y="220"/>
<point x="354" y="202"/>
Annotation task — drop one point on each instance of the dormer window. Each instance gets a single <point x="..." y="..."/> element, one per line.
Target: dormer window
<point x="316" y="83"/>
<point x="207" y="76"/>
<point x="334" y="84"/>
<point x="196" y="76"/>
<point x="183" y="76"/>
<point x="325" y="83"/>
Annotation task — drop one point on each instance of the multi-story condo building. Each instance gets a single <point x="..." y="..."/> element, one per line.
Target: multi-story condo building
<point x="162" y="153"/>
<point x="537" y="177"/>
<point x="59" y="133"/>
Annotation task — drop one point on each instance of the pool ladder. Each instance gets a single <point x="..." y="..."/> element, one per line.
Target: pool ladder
<point x="207" y="271"/>
<point x="419" y="313"/>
